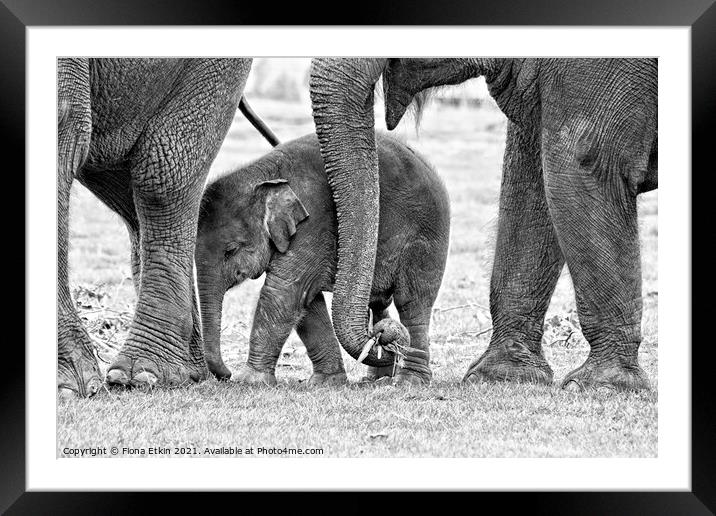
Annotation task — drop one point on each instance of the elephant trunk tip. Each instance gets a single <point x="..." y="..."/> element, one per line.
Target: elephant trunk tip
<point x="394" y="112"/>
<point x="399" y="101"/>
<point x="391" y="121"/>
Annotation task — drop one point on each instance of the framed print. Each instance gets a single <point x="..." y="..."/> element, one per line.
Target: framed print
<point x="434" y="248"/>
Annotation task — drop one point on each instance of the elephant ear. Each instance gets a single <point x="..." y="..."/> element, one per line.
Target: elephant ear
<point x="284" y="211"/>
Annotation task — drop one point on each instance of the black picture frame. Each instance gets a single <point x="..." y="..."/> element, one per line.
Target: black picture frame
<point x="700" y="15"/>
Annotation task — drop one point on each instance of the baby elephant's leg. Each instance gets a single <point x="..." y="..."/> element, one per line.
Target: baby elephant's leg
<point x="277" y="312"/>
<point x="414" y="365"/>
<point x="379" y="309"/>
<point x="316" y="332"/>
<point x="415" y="293"/>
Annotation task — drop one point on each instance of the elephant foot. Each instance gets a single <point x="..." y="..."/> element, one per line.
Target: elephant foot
<point x="509" y="361"/>
<point x="610" y="374"/>
<point x="218" y="369"/>
<point x="410" y="380"/>
<point x="378" y="374"/>
<point x="413" y="368"/>
<point x="140" y="370"/>
<point x="247" y="375"/>
<point x="78" y="373"/>
<point x="328" y="379"/>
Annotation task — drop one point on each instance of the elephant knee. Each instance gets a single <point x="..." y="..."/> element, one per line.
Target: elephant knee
<point x="596" y="156"/>
<point x="573" y="146"/>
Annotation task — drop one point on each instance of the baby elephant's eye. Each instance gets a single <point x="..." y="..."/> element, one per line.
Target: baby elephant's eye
<point x="231" y="250"/>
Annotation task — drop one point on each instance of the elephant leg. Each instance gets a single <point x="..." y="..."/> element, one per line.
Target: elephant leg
<point x="416" y="289"/>
<point x="169" y="165"/>
<point x="414" y="366"/>
<point x="114" y="189"/>
<point x="278" y="311"/>
<point x="527" y="265"/>
<point x="164" y="344"/>
<point x="77" y="368"/>
<point x="595" y="215"/>
<point x="379" y="311"/>
<point x="322" y="346"/>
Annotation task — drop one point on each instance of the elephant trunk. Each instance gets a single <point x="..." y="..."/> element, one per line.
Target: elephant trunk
<point x="342" y="99"/>
<point x="211" y="299"/>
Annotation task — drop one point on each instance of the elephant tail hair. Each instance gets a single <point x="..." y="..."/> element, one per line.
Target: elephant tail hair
<point x="256" y="121"/>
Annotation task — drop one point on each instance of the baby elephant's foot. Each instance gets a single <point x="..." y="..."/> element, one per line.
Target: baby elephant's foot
<point x="247" y="375"/>
<point x="328" y="379"/>
<point x="413" y="367"/>
<point x="413" y="364"/>
<point x="378" y="375"/>
<point x="610" y="374"/>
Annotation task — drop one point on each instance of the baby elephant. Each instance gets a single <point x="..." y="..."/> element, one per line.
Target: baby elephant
<point x="276" y="215"/>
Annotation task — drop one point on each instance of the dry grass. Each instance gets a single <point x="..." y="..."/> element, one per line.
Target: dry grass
<point x="446" y="420"/>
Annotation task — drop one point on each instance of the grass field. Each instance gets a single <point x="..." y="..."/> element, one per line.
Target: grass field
<point x="445" y="420"/>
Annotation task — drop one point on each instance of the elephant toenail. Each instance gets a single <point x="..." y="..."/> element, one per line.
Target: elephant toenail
<point x="471" y="378"/>
<point x="117" y="377"/>
<point x="572" y="386"/>
<point x="66" y="393"/>
<point x="145" y="379"/>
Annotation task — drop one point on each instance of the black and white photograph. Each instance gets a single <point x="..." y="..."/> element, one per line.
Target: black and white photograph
<point x="425" y="258"/>
<point x="358" y="257"/>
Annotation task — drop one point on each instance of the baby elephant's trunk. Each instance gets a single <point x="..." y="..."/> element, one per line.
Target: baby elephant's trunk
<point x="211" y="299"/>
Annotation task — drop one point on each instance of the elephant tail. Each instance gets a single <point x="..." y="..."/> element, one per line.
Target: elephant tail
<point x="256" y="121"/>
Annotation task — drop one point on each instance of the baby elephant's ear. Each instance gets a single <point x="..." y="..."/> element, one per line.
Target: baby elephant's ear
<point x="283" y="212"/>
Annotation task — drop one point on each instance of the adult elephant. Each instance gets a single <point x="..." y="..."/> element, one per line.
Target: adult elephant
<point x="581" y="144"/>
<point x="141" y="134"/>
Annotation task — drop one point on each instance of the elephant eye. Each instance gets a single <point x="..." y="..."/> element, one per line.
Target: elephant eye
<point x="231" y="250"/>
